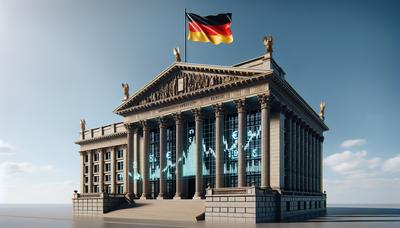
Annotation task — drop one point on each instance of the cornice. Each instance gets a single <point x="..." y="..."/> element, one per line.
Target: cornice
<point x="234" y="71"/>
<point x="195" y="93"/>
<point x="100" y="138"/>
<point x="284" y="85"/>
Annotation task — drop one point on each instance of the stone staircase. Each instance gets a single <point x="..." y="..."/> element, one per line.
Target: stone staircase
<point x="173" y="210"/>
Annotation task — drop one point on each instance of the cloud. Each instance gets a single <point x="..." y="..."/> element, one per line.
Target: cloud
<point x="392" y="164"/>
<point x="6" y="148"/>
<point x="352" y="143"/>
<point x="352" y="164"/>
<point x="11" y="168"/>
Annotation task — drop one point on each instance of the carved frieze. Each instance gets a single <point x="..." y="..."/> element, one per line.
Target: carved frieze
<point x="184" y="82"/>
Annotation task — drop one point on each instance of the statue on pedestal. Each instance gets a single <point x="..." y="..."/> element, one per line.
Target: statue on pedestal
<point x="177" y="54"/>
<point x="125" y="89"/>
<point x="83" y="125"/>
<point x="322" y="107"/>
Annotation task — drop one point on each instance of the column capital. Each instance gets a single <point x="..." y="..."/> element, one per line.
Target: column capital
<point x="240" y="105"/>
<point x="197" y="113"/>
<point x="129" y="126"/>
<point x="144" y="123"/>
<point x="177" y="117"/>
<point x="161" y="122"/>
<point x="265" y="101"/>
<point x="218" y="109"/>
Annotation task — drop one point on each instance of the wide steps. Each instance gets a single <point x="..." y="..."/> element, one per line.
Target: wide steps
<point x="174" y="210"/>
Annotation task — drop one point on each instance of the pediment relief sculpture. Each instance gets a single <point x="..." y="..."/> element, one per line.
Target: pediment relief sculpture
<point x="183" y="83"/>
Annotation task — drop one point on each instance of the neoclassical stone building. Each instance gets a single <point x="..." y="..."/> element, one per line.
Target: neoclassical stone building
<point x="219" y="132"/>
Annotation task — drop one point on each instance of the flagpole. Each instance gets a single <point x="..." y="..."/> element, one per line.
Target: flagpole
<point x="185" y="37"/>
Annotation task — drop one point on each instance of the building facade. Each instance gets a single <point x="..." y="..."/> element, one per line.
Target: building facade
<point x="199" y="131"/>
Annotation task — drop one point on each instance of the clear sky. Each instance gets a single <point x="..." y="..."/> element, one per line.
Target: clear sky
<point x="66" y="59"/>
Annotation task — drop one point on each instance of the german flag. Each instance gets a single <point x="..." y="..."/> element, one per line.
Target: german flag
<point x="214" y="29"/>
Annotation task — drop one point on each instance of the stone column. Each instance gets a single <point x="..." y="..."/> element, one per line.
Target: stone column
<point x="306" y="162"/>
<point x="82" y="160"/>
<point x="128" y="167"/>
<point x="198" y="156"/>
<point x="178" y="161"/>
<point x="298" y="152"/>
<point x="144" y="161"/>
<point x="294" y="152"/>
<point x="310" y="168"/>
<point x="219" y="150"/>
<point x="314" y="160"/>
<point x="101" y="170"/>
<point x="136" y="162"/>
<point x="163" y="183"/>
<point x="241" y="110"/>
<point x="301" y="157"/>
<point x="321" y="176"/>
<point x="113" y="168"/>
<point x="90" y="171"/>
<point x="265" y="101"/>
<point x="289" y="184"/>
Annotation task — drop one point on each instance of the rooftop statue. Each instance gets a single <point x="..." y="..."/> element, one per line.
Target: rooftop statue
<point x="125" y="89"/>
<point x="322" y="107"/>
<point x="177" y="54"/>
<point x="83" y="125"/>
<point x="268" y="43"/>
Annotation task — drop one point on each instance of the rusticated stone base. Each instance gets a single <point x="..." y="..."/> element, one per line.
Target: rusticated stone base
<point x="96" y="203"/>
<point x="255" y="205"/>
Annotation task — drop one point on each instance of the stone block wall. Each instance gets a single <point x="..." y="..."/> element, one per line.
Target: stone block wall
<point x="255" y="205"/>
<point x="95" y="204"/>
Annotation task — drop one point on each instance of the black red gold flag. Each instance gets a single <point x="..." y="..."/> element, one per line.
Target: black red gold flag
<point x="214" y="29"/>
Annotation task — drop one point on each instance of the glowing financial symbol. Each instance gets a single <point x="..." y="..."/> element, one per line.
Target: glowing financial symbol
<point x="254" y="153"/>
<point x="235" y="135"/>
<point x="168" y="155"/>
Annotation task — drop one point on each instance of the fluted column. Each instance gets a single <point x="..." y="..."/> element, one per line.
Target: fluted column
<point x="101" y="170"/>
<point x="128" y="160"/>
<point x="136" y="162"/>
<point x="310" y="158"/>
<point x="82" y="160"/>
<point x="241" y="110"/>
<point x="265" y="101"/>
<point x="90" y="171"/>
<point x="314" y="160"/>
<point x="163" y="183"/>
<point x="306" y="162"/>
<point x="289" y="184"/>
<point x="113" y="168"/>
<point x="302" y="160"/>
<point x="198" y="156"/>
<point x="179" y="148"/>
<point x="144" y="161"/>
<point x="321" y="184"/>
<point x="219" y="150"/>
<point x="298" y="155"/>
<point x="294" y="151"/>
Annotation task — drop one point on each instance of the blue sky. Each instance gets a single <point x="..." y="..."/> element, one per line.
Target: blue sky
<point x="65" y="60"/>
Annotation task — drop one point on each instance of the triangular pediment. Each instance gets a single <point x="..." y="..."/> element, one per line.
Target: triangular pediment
<point x="183" y="78"/>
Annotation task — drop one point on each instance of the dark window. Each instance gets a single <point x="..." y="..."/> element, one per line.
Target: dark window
<point x="298" y="205"/>
<point x="287" y="205"/>
<point x="120" y="177"/>
<point x="120" y="153"/>
<point x="107" y="155"/>
<point x="120" y="165"/>
<point x="107" y="167"/>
